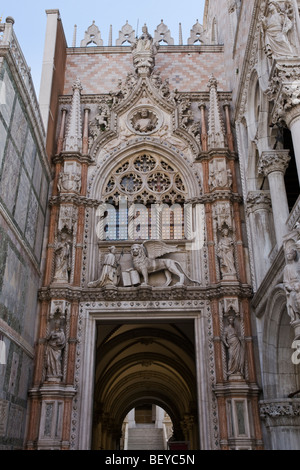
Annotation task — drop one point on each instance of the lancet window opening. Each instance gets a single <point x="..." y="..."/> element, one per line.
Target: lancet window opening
<point x="145" y="197"/>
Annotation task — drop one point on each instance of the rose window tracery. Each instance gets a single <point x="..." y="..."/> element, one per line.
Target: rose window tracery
<point x="147" y="181"/>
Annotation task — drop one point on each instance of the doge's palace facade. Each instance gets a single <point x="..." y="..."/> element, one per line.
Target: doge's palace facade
<point x="169" y="273"/>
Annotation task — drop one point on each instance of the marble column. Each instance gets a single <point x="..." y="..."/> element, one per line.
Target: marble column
<point x="259" y="210"/>
<point x="293" y="122"/>
<point x="273" y="164"/>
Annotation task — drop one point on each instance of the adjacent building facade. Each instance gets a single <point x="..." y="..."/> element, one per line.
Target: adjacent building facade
<point x="170" y="272"/>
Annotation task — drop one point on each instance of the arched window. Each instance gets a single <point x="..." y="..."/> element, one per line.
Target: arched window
<point x="144" y="199"/>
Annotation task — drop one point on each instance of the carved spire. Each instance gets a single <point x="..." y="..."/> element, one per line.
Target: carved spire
<point x="74" y="36"/>
<point x="74" y="131"/>
<point x="216" y="134"/>
<point x="180" y="35"/>
<point x="110" y="36"/>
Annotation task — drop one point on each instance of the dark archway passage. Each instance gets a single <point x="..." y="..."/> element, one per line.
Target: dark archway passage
<point x="144" y="363"/>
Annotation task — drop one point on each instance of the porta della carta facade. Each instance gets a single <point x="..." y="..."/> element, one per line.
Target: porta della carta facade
<point x="150" y="236"/>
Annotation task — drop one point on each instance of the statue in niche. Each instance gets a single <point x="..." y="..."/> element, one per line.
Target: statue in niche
<point x="63" y="257"/>
<point x="109" y="275"/>
<point x="225" y="252"/>
<point x="291" y="281"/>
<point x="235" y="347"/>
<point x="56" y="342"/>
<point x="275" y="28"/>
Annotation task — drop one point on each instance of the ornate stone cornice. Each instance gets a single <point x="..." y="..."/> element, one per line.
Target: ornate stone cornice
<point x="217" y="153"/>
<point x="226" y="195"/>
<point x="136" y="294"/>
<point x="284" y="412"/>
<point x="71" y="198"/>
<point x="79" y="157"/>
<point x="273" y="160"/>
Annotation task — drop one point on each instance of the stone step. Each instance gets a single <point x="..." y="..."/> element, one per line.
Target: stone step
<point x="145" y="439"/>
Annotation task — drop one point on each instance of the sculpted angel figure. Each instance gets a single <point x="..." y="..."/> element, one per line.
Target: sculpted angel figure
<point x="275" y="27"/>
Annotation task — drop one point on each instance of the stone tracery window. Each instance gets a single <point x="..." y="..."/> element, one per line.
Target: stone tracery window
<point x="146" y="196"/>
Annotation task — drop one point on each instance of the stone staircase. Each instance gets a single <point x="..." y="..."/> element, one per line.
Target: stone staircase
<point x="145" y="438"/>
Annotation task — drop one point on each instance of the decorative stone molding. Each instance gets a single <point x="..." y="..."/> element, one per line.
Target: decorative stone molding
<point x="273" y="160"/>
<point x="138" y="294"/>
<point x="284" y="412"/>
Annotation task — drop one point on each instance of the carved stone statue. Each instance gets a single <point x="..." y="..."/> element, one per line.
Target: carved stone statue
<point x="236" y="351"/>
<point x="63" y="258"/>
<point x="144" y="121"/>
<point x="276" y="26"/>
<point x="56" y="342"/>
<point x="143" y="51"/>
<point x="225" y="252"/>
<point x="145" y="262"/>
<point x="291" y="281"/>
<point x="109" y="275"/>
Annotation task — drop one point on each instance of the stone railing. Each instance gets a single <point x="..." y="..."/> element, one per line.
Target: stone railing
<point x="8" y="40"/>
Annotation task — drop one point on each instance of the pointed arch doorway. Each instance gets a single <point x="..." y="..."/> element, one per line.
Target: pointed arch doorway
<point x="141" y="364"/>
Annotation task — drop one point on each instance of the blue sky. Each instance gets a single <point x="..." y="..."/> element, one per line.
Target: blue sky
<point x="30" y="20"/>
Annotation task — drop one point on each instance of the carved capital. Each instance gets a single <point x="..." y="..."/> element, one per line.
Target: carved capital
<point x="273" y="160"/>
<point x="258" y="200"/>
<point x="293" y="115"/>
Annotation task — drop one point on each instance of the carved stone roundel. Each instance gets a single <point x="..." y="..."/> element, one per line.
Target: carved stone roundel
<point x="144" y="120"/>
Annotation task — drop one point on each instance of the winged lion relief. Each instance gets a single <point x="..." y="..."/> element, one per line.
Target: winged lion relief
<point x="147" y="259"/>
